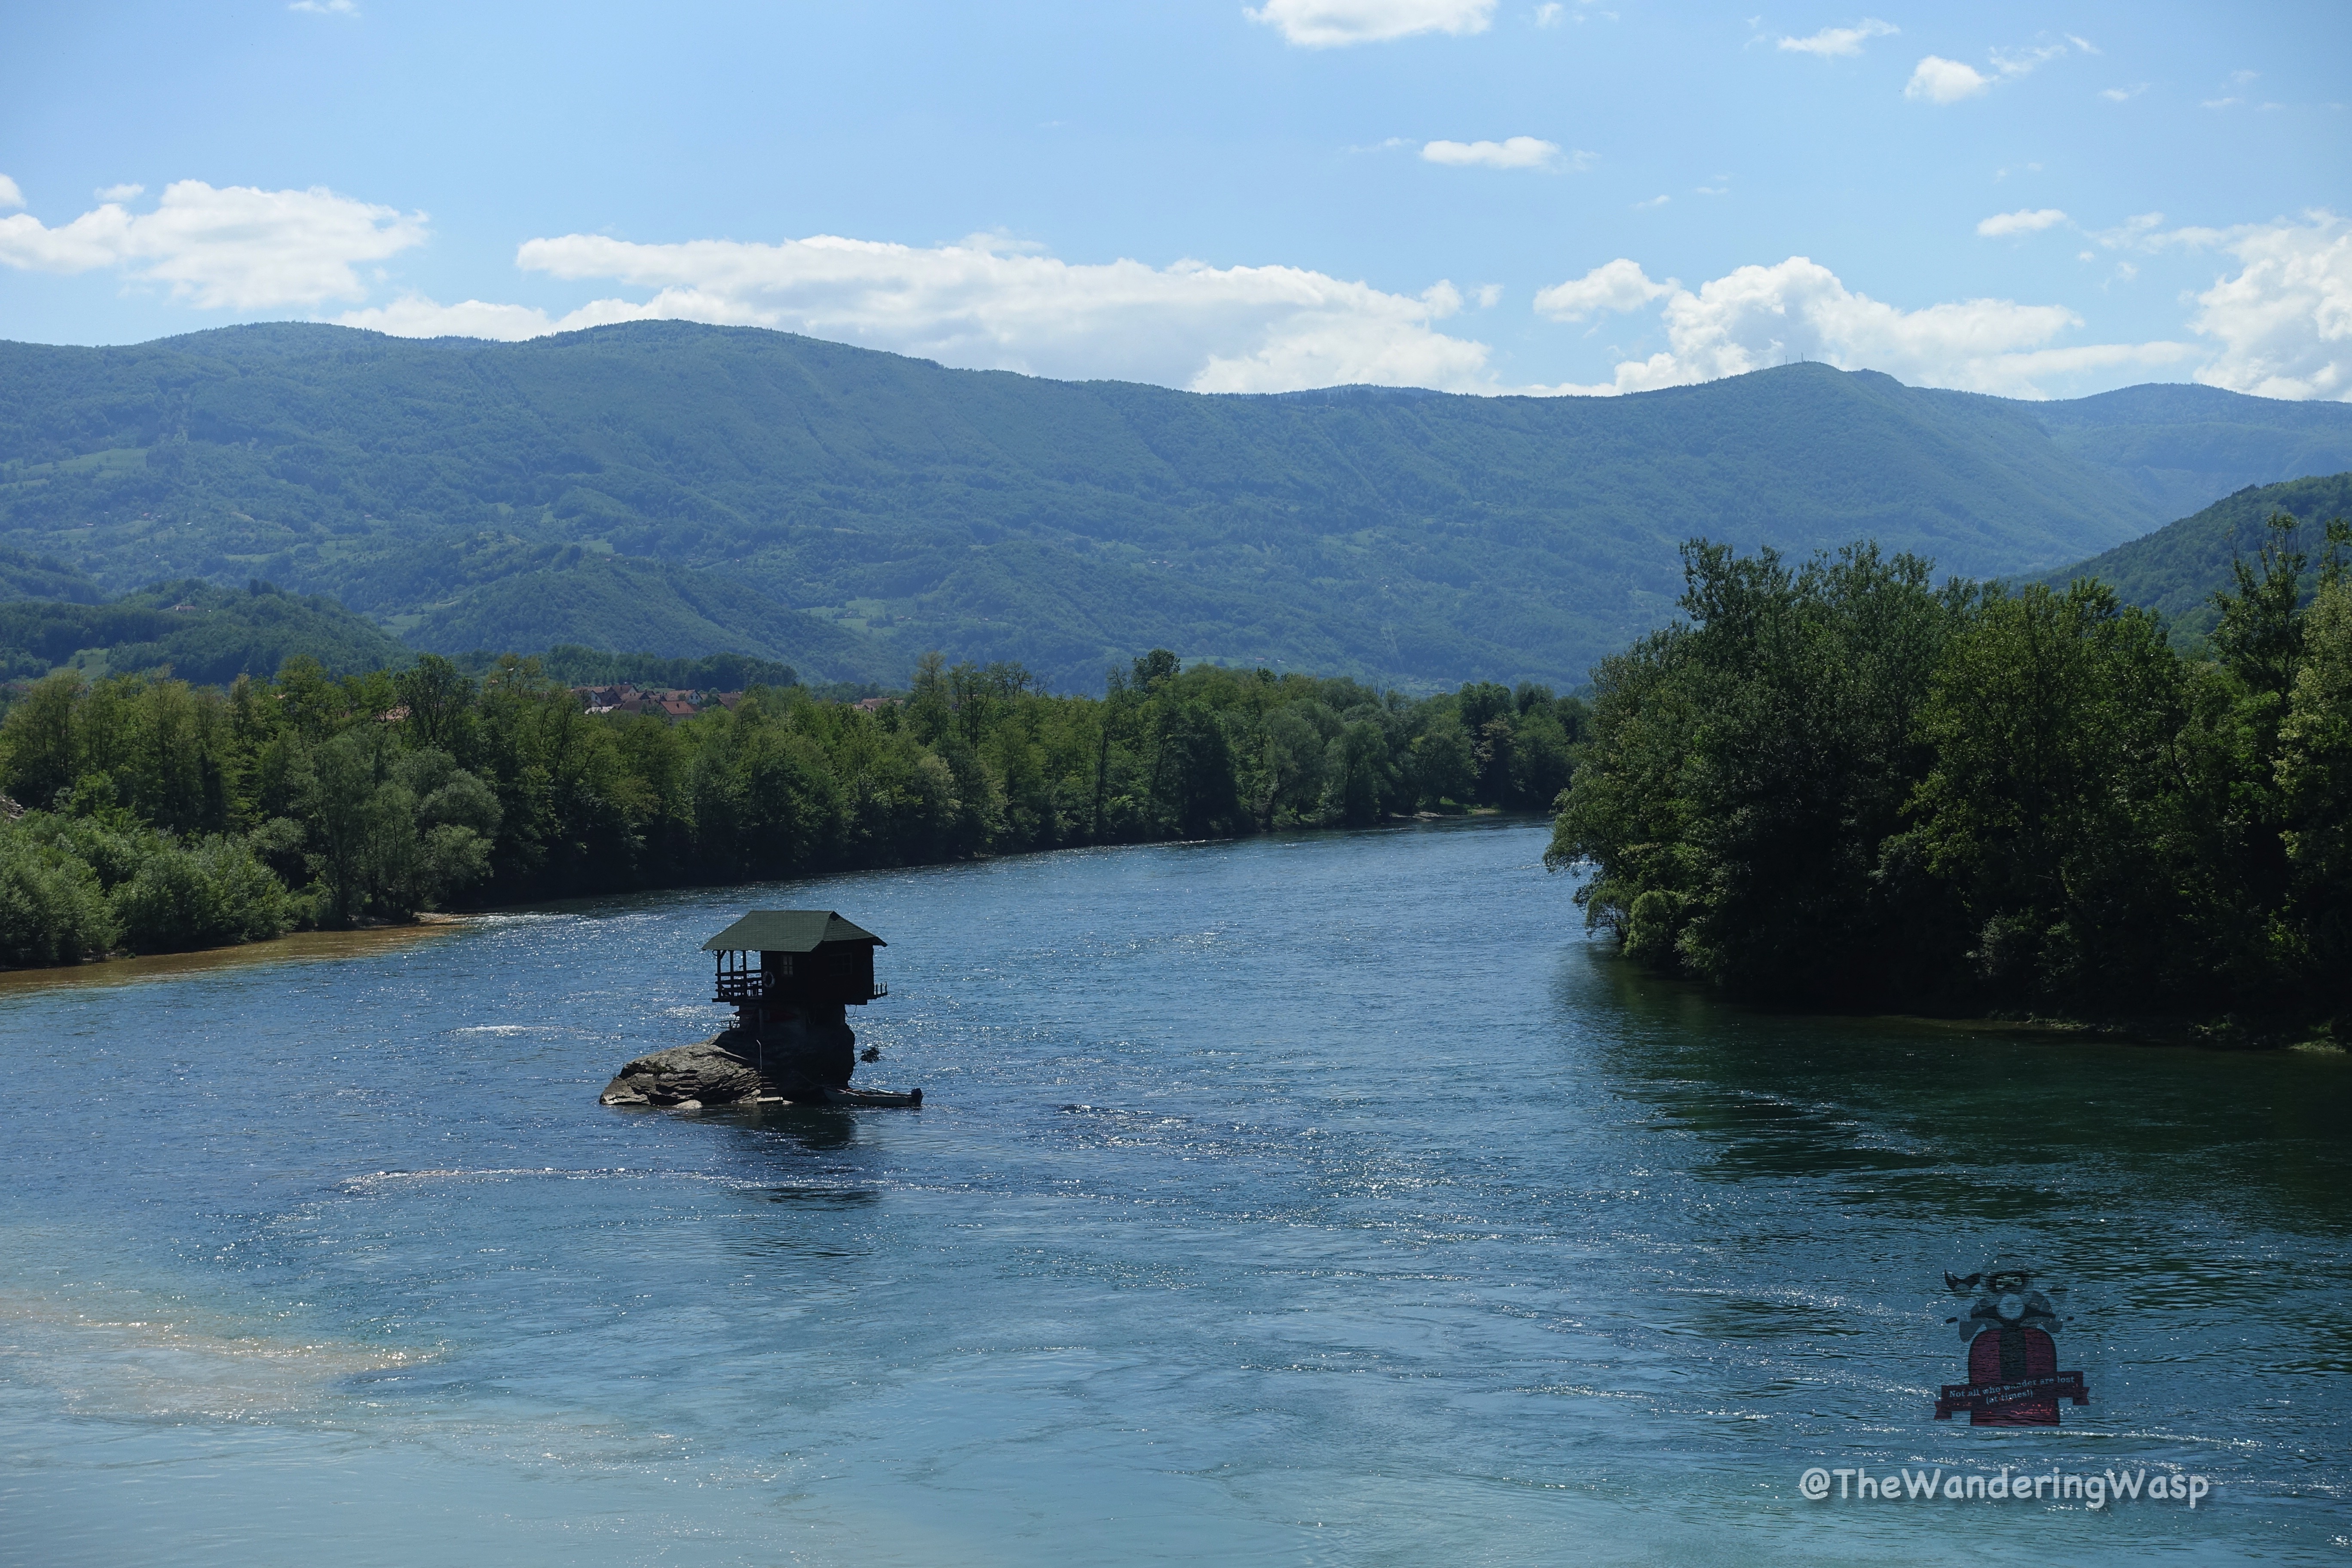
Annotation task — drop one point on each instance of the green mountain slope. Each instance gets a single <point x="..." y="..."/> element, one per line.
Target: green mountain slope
<point x="617" y="603"/>
<point x="2176" y="569"/>
<point x="205" y="633"/>
<point x="465" y="493"/>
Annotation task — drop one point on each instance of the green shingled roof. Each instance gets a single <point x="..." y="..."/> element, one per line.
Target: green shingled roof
<point x="787" y="931"/>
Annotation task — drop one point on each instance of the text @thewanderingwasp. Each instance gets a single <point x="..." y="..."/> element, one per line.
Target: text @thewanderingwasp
<point x="2092" y="1490"/>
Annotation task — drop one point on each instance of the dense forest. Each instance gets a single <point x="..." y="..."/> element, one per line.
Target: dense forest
<point x="165" y="816"/>
<point x="1845" y="782"/>
<point x="683" y="489"/>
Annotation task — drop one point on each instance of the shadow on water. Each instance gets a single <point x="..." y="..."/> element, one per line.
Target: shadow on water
<point x="824" y="1198"/>
<point x="1819" y="1096"/>
<point x="799" y="1129"/>
<point x="2176" y="1186"/>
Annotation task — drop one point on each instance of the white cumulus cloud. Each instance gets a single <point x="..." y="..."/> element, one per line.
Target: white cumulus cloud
<point x="1760" y="316"/>
<point x="1620" y="285"/>
<point x="1940" y="81"/>
<point x="2284" y="322"/>
<point x="1328" y="24"/>
<point x="2021" y="222"/>
<point x="984" y="304"/>
<point x="1841" y="40"/>
<point x="233" y="248"/>
<point x="1516" y="153"/>
<point x="327" y="7"/>
<point x="120" y="193"/>
<point x="10" y="196"/>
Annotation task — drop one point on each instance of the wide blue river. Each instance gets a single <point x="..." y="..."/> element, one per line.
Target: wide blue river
<point x="1324" y="1199"/>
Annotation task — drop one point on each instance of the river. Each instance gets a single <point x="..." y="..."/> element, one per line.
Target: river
<point x="1315" y="1199"/>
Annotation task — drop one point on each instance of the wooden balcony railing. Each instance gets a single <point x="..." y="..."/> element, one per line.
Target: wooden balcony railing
<point x="751" y="985"/>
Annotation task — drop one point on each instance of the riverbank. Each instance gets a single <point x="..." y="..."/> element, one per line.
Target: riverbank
<point x="2211" y="1036"/>
<point x="2208" y="1035"/>
<point x="169" y="818"/>
<point x="295" y="947"/>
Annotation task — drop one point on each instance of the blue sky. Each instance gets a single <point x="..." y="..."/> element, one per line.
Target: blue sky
<point x="2034" y="200"/>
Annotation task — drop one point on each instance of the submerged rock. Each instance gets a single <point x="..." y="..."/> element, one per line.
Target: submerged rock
<point x="708" y="1072"/>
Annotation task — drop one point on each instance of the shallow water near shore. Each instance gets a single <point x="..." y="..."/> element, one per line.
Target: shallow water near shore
<point x="1328" y="1198"/>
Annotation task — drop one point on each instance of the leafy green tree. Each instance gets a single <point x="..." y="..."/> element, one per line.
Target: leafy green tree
<point x="1444" y="767"/>
<point x="439" y="700"/>
<point x="1542" y="758"/>
<point x="52" y="907"/>
<point x="2051" y="721"/>
<point x="2313" y="773"/>
<point x="1747" y="768"/>
<point x="39" y="742"/>
<point x="342" y="811"/>
<point x="208" y="893"/>
<point x="1359" y="774"/>
<point x="1192" y="776"/>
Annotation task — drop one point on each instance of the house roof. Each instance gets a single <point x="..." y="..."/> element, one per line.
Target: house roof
<point x="788" y="931"/>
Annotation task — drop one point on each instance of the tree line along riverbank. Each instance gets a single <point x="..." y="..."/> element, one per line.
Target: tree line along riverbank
<point x="1843" y="783"/>
<point x="149" y="814"/>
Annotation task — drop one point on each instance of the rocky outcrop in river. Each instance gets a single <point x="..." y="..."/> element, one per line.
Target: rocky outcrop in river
<point x="798" y="1056"/>
<point x="706" y="1073"/>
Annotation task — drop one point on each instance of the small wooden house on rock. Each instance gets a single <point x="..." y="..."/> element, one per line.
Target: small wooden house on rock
<point x="775" y="962"/>
<point x="791" y="976"/>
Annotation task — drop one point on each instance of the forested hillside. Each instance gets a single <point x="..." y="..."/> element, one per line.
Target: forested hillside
<point x="2179" y="447"/>
<point x="196" y="630"/>
<point x="24" y="576"/>
<point x="842" y="510"/>
<point x="2176" y="570"/>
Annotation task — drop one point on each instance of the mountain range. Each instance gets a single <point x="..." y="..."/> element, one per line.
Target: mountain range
<point x="682" y="490"/>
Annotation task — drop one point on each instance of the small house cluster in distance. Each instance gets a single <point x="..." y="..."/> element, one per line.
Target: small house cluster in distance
<point x="666" y="702"/>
